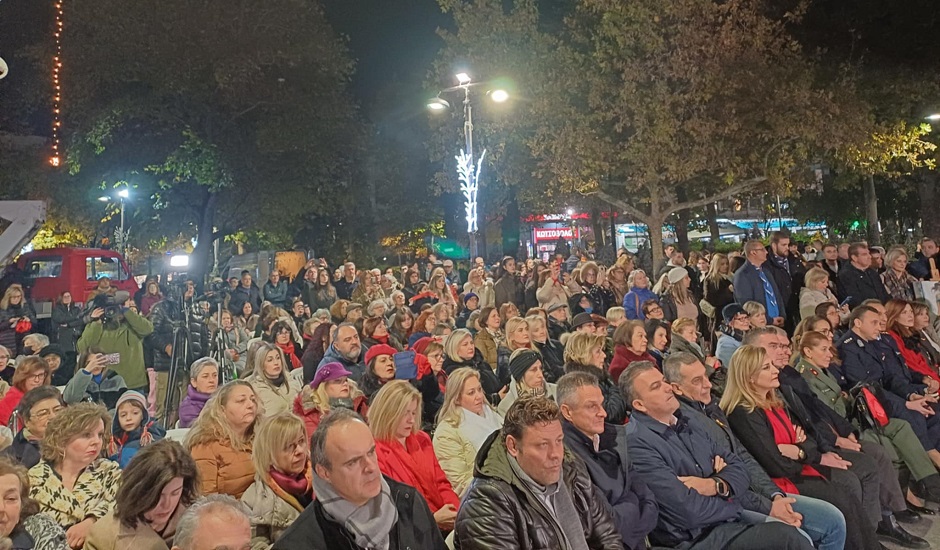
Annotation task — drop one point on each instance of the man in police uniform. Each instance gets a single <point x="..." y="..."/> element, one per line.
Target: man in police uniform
<point x="868" y="360"/>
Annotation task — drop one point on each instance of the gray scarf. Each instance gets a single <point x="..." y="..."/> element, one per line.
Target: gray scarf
<point x="370" y="524"/>
<point x="557" y="501"/>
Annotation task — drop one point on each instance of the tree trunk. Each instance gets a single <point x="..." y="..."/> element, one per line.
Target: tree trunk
<point x="682" y="231"/>
<point x="928" y="190"/>
<point x="598" y="227"/>
<point x="654" y="225"/>
<point x="711" y="212"/>
<point x="199" y="259"/>
<point x="871" y="210"/>
<point x="510" y="227"/>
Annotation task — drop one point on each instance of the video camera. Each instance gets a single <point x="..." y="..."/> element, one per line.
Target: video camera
<point x="112" y="304"/>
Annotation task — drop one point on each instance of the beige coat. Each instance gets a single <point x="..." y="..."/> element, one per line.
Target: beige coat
<point x="109" y="534"/>
<point x="487" y="345"/>
<point x="456" y="455"/>
<point x="275" y="400"/>
<point x="484" y="291"/>
<point x="271" y="514"/>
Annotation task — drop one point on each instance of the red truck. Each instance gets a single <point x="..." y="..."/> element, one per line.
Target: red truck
<point x="52" y="271"/>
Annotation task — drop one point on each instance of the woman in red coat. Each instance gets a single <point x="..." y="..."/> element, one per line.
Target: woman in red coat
<point x="901" y="328"/>
<point x="331" y="388"/>
<point x="630" y="346"/>
<point x="405" y="453"/>
<point x="32" y="372"/>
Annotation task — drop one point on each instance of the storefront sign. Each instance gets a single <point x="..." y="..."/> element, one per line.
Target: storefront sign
<point x="552" y="233"/>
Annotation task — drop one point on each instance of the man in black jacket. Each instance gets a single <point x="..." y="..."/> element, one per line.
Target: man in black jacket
<point x="603" y="448"/>
<point x="857" y="280"/>
<point x="822" y="521"/>
<point x="529" y="492"/>
<point x="697" y="484"/>
<point x="355" y="505"/>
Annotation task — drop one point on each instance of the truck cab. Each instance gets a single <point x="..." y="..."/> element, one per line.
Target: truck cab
<point x="52" y="271"/>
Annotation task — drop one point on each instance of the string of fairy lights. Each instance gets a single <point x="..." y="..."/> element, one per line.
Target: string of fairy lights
<point x="56" y="157"/>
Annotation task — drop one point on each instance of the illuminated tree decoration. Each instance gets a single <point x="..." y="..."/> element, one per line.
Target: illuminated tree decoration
<point x="56" y="157"/>
<point x="469" y="185"/>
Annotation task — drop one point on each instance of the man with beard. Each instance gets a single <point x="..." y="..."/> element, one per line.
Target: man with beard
<point x="117" y="328"/>
<point x="346" y="350"/>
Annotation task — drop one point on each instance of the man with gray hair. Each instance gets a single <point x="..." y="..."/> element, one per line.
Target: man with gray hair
<point x="820" y="520"/>
<point x="697" y="483"/>
<point x="346" y="349"/>
<point x="355" y="505"/>
<point x="214" y="522"/>
<point x="603" y="448"/>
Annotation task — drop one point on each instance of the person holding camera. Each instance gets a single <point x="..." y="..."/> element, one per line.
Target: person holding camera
<point x="117" y="328"/>
<point x="94" y="381"/>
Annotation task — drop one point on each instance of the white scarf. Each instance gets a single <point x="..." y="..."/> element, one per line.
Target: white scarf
<point x="477" y="427"/>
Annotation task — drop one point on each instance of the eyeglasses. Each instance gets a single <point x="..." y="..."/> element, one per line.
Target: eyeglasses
<point x="39" y="376"/>
<point x="654" y="309"/>
<point x="43" y="413"/>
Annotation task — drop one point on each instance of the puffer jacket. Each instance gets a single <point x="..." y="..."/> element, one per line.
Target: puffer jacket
<point x="488" y="345"/>
<point x="124" y="445"/>
<point x="106" y="391"/>
<point x="222" y="469"/>
<point x="272" y="511"/>
<point x="488" y="378"/>
<point x="277" y="295"/>
<point x="275" y="399"/>
<point x="499" y="511"/>
<point x="614" y="403"/>
<point x="192" y="405"/>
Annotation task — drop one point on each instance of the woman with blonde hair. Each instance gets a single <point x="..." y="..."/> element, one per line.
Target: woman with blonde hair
<point x="275" y="389"/>
<point x="553" y="353"/>
<point x="898" y="282"/>
<point x="221" y="439"/>
<point x="17" y="319"/>
<point x="817" y="292"/>
<point x="330" y="388"/>
<point x="584" y="352"/>
<point x="517" y="337"/>
<point x="459" y="351"/>
<point x="718" y="291"/>
<point x="464" y="422"/>
<point x="72" y="483"/>
<point x="367" y="290"/>
<point x="780" y="445"/>
<point x="405" y="453"/>
<point x="283" y="484"/>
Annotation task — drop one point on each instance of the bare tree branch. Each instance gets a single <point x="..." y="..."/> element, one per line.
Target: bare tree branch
<point x="622" y="205"/>
<point x="728" y="192"/>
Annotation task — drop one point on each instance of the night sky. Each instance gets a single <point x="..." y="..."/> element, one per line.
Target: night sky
<point x="392" y="41"/>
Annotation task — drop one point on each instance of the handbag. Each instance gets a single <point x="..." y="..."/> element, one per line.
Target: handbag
<point x="868" y="408"/>
<point x="707" y="308"/>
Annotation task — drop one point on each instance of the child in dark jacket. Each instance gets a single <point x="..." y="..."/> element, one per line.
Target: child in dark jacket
<point x="132" y="428"/>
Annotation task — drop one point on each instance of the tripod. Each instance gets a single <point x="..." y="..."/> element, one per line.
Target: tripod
<point x="219" y="348"/>
<point x="179" y="360"/>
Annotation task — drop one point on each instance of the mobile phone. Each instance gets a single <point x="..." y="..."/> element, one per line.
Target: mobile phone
<point x="847" y="298"/>
<point x="112" y="358"/>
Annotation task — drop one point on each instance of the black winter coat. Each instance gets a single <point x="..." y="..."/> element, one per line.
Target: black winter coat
<point x="614" y="403"/>
<point x="414" y="530"/>
<point x="553" y="359"/>
<point x="860" y="285"/>
<point x="68" y="323"/>
<point x="488" y="379"/>
<point x="9" y="338"/>
<point x="499" y="512"/>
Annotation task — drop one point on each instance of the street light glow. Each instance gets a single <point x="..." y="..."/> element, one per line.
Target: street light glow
<point x="935" y="116"/>
<point x="438" y="104"/>
<point x="499" y="96"/>
<point x="123" y="193"/>
<point x="463" y="78"/>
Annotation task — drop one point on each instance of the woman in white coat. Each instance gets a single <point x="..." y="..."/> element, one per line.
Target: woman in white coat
<point x="275" y="388"/>
<point x="464" y="422"/>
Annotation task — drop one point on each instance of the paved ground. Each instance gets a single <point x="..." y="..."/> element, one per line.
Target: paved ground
<point x="929" y="528"/>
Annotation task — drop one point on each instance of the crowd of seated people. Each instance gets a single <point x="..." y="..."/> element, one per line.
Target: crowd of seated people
<point x="730" y="402"/>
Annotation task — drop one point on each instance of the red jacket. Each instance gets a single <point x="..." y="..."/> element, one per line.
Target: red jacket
<point x="415" y="464"/>
<point x="914" y="359"/>
<point x="312" y="415"/>
<point x="622" y="359"/>
<point x="9" y="403"/>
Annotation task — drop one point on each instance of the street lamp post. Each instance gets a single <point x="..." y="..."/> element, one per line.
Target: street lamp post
<point x="468" y="167"/>
<point x="122" y="195"/>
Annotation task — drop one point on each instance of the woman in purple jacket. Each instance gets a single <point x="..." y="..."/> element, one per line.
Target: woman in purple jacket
<point x="203" y="381"/>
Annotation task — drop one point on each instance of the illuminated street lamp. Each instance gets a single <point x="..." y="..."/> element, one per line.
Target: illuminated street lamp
<point x="468" y="167"/>
<point x="934" y="117"/>
<point x="122" y="194"/>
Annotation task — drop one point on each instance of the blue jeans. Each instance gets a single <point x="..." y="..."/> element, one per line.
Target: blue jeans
<point x="823" y="524"/>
